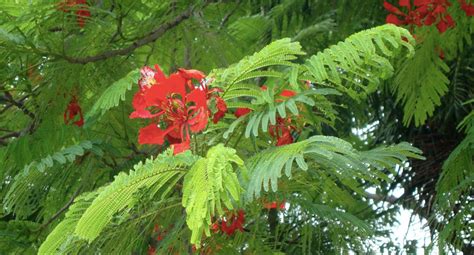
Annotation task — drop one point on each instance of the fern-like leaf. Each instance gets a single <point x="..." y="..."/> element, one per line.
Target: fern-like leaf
<point x="112" y="96"/>
<point x="278" y="53"/>
<point x="329" y="153"/>
<point x="421" y="82"/>
<point x="210" y="184"/>
<point x="21" y="198"/>
<point x="357" y="65"/>
<point x="119" y="194"/>
<point x="65" y="229"/>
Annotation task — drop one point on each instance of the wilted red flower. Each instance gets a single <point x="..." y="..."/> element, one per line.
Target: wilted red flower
<point x="82" y="10"/>
<point x="73" y="109"/>
<point x="233" y="223"/>
<point x="171" y="103"/>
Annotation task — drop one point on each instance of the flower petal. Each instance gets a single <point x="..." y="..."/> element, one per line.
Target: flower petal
<point x="139" y="104"/>
<point x="393" y="19"/>
<point x="405" y="3"/>
<point x="285" y="138"/>
<point x="389" y="7"/>
<point x="199" y="122"/>
<point x="181" y="147"/>
<point x="221" y="110"/>
<point x="147" y="78"/>
<point x="287" y="93"/>
<point x="198" y="97"/>
<point x="159" y="75"/>
<point x="242" y="112"/>
<point x="152" y="134"/>
<point x="191" y="74"/>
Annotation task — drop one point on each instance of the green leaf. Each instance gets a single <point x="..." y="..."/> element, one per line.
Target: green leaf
<point x="112" y="96"/>
<point x="209" y="184"/>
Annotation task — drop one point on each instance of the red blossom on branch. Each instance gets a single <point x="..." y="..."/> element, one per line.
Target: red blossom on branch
<point x="72" y="110"/>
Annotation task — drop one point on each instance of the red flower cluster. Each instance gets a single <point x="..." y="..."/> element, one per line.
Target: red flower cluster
<point x="231" y="224"/>
<point x="422" y="12"/>
<point x="468" y="8"/>
<point x="176" y="107"/>
<point x="73" y="109"/>
<point x="81" y="13"/>
<point x="283" y="128"/>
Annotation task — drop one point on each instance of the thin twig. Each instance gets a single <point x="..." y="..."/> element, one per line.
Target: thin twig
<point x="64" y="208"/>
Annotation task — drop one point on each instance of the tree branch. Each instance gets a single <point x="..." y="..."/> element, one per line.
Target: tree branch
<point x="379" y="198"/>
<point x="151" y="37"/>
<point x="64" y="208"/>
<point x="18" y="104"/>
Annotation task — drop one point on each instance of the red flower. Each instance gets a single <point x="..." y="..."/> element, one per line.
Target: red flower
<point x="242" y="112"/>
<point x="191" y="74"/>
<point x="215" y="227"/>
<point x="168" y="102"/>
<point x="397" y="17"/>
<point x="438" y="12"/>
<point x="467" y="8"/>
<point x="282" y="131"/>
<point x="221" y="110"/>
<point x="236" y="223"/>
<point x="73" y="109"/>
<point x="427" y="12"/>
<point x="219" y="103"/>
<point x="82" y="10"/>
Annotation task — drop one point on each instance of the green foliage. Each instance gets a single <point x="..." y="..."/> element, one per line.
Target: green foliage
<point x="26" y="191"/>
<point x="112" y="96"/>
<point x="16" y="236"/>
<point x="208" y="186"/>
<point x="453" y="190"/>
<point x="277" y="53"/>
<point x="47" y="58"/>
<point x="153" y="174"/>
<point x="328" y="153"/>
<point x="326" y="212"/>
<point x="64" y="231"/>
<point x="266" y="110"/>
<point x="357" y="65"/>
<point x="421" y="82"/>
